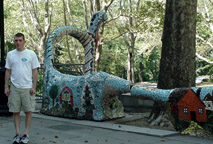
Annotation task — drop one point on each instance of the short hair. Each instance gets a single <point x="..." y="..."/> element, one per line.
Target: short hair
<point x="19" y="35"/>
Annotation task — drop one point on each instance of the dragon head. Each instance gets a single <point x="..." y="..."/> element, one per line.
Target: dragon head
<point x="96" y="20"/>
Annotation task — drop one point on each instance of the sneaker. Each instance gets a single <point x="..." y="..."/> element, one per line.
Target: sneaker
<point x="16" y="139"/>
<point x="24" y="139"/>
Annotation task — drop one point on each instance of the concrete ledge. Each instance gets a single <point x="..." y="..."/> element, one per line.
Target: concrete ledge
<point x="112" y="126"/>
<point x="135" y="104"/>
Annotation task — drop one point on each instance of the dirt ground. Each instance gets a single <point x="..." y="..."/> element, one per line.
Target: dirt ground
<point x="141" y="120"/>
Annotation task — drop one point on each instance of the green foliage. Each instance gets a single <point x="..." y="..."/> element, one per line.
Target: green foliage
<point x="211" y="72"/>
<point x="39" y="89"/>
<point x="150" y="65"/>
<point x="114" y="58"/>
<point x="202" y="68"/>
<point x="7" y="11"/>
<point x="9" y="46"/>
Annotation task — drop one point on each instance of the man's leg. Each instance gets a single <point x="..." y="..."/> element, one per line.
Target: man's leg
<point x="16" y="117"/>
<point x="28" y="120"/>
<point x="28" y="107"/>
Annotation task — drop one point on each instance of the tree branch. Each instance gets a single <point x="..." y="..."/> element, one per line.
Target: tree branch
<point x="202" y="39"/>
<point x="208" y="19"/>
<point x="106" y="6"/>
<point x="34" y="18"/>
<point x="85" y="13"/>
<point x="47" y="17"/>
<point x="137" y="5"/>
<point x="91" y="8"/>
<point x="112" y="18"/>
<point x="26" y="25"/>
<point x="98" y="5"/>
<point x="121" y="34"/>
<point x="203" y="58"/>
<point x="69" y="13"/>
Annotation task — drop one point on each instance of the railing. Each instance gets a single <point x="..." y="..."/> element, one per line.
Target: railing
<point x="72" y="69"/>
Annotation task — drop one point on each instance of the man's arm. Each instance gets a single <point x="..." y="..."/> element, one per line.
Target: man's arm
<point x="33" y="90"/>
<point x="7" y="78"/>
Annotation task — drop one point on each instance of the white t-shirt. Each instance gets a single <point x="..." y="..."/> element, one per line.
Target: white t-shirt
<point x="21" y="64"/>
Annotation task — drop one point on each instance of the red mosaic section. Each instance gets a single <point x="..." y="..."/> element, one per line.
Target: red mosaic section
<point x="191" y="108"/>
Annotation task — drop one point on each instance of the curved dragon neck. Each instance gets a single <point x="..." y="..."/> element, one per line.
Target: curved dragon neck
<point x="55" y="37"/>
<point x="85" y="38"/>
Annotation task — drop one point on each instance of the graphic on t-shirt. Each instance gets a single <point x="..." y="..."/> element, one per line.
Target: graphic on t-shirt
<point x="24" y="59"/>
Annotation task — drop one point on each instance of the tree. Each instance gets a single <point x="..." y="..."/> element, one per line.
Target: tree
<point x="30" y="11"/>
<point x="139" y="25"/>
<point x="78" y="14"/>
<point x="129" y="36"/>
<point x="177" y="65"/>
<point x="147" y="18"/>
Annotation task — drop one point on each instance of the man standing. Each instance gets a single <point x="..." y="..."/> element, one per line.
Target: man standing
<point x="21" y="69"/>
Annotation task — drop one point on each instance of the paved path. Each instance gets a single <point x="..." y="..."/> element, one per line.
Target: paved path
<point x="50" y="130"/>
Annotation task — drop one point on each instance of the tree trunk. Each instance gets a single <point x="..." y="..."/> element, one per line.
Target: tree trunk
<point x="129" y="67"/>
<point x="132" y="61"/>
<point x="91" y="5"/>
<point x="132" y="38"/>
<point x="98" y="5"/>
<point x="67" y="43"/>
<point x="140" y="75"/>
<point x="98" y="50"/>
<point x="130" y="70"/>
<point x="70" y="18"/>
<point x="98" y="55"/>
<point x="85" y="13"/>
<point x="177" y="65"/>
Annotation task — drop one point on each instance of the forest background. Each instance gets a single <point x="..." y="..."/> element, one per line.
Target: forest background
<point x="130" y="40"/>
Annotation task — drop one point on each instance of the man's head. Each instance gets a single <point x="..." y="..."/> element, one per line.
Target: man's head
<point x="19" y="41"/>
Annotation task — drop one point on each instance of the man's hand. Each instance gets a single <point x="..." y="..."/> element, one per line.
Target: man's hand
<point x="7" y="77"/>
<point x="32" y="91"/>
<point x="7" y="91"/>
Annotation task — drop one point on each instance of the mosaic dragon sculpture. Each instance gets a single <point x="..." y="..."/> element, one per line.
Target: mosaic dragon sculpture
<point x="94" y="95"/>
<point x="90" y="96"/>
<point x="183" y="104"/>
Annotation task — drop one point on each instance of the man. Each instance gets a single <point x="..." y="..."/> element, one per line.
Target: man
<point x="21" y="69"/>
